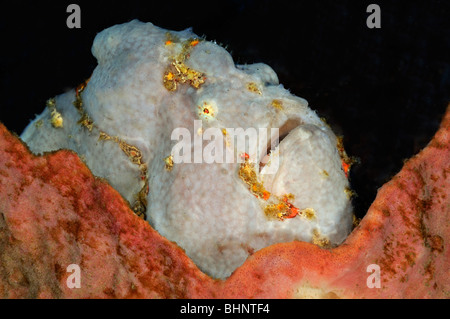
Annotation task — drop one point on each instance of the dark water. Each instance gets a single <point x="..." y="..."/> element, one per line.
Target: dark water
<point x="384" y="89"/>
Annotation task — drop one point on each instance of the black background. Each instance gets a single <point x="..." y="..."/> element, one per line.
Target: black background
<point x="384" y="89"/>
<point x="279" y="308"/>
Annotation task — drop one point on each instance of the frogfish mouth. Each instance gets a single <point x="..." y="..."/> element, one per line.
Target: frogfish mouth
<point x="217" y="157"/>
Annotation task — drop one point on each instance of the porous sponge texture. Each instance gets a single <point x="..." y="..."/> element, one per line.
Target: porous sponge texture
<point x="150" y="83"/>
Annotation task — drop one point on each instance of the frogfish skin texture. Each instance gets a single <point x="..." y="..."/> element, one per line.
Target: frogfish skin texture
<point x="54" y="213"/>
<point x="155" y="99"/>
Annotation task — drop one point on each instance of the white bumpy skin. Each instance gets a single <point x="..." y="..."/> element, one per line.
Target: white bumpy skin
<point x="149" y="82"/>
